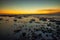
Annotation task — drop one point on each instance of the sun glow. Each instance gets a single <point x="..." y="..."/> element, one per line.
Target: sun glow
<point x="45" y="11"/>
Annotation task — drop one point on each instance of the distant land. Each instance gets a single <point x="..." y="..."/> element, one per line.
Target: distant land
<point x="58" y="14"/>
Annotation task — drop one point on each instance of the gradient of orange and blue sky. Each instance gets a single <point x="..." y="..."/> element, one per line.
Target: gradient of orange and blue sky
<point x="29" y="6"/>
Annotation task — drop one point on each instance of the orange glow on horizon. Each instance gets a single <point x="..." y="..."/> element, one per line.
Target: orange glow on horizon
<point x="45" y="11"/>
<point x="48" y="11"/>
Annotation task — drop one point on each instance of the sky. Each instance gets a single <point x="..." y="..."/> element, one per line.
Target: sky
<point x="29" y="6"/>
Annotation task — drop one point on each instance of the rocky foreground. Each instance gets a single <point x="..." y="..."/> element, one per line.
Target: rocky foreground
<point x="30" y="28"/>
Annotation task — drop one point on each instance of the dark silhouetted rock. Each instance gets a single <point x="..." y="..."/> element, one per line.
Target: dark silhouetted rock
<point x="15" y="20"/>
<point x="52" y="20"/>
<point x="18" y="17"/>
<point x="23" y="34"/>
<point x="17" y="31"/>
<point x="57" y="22"/>
<point x="32" y="20"/>
<point x="43" y="19"/>
<point x="1" y="19"/>
<point x="49" y="24"/>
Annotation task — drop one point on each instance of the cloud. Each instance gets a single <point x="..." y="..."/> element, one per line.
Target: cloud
<point x="48" y="11"/>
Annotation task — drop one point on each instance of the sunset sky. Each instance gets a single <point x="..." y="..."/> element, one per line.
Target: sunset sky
<point x="29" y="6"/>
